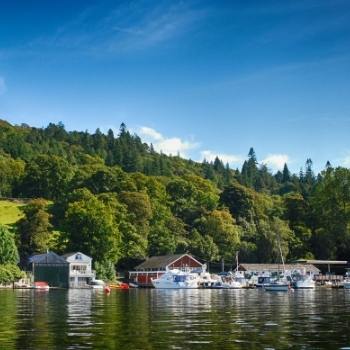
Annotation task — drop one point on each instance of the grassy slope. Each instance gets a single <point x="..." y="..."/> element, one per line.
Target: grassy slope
<point x="10" y="212"/>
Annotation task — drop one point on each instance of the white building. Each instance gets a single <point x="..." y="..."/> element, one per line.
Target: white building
<point x="80" y="271"/>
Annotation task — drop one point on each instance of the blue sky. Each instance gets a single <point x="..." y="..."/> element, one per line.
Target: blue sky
<point x="201" y="78"/>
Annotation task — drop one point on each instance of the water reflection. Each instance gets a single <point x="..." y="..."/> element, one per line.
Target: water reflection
<point x="175" y="319"/>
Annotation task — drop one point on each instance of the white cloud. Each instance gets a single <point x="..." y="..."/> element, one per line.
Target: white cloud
<point x="276" y="161"/>
<point x="2" y="86"/>
<point x="226" y="158"/>
<point x="346" y="161"/>
<point x="153" y="134"/>
<point x="166" y="145"/>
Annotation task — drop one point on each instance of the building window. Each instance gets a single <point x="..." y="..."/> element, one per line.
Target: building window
<point x="79" y="268"/>
<point x="78" y="257"/>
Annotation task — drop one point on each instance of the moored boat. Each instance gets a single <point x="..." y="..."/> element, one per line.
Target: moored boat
<point x="41" y="285"/>
<point x="346" y="282"/>
<point x="97" y="284"/>
<point x="177" y="279"/>
<point x="304" y="282"/>
<point x="278" y="286"/>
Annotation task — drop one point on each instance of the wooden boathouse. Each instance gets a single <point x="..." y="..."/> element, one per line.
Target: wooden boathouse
<point x="156" y="266"/>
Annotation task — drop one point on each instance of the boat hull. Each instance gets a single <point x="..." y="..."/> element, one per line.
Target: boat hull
<point x="162" y="285"/>
<point x="346" y="285"/>
<point x="304" y="285"/>
<point x="277" y="288"/>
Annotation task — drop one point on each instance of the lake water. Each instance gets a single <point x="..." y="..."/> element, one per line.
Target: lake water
<point x="175" y="319"/>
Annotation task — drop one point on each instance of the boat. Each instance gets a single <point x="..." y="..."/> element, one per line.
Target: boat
<point x="346" y="282"/>
<point x="236" y="279"/>
<point x="233" y="281"/>
<point x="207" y="280"/>
<point x="119" y="285"/>
<point x="177" y="279"/>
<point x="263" y="281"/>
<point x="303" y="281"/>
<point x="97" y="284"/>
<point x="41" y="285"/>
<point x="281" y="283"/>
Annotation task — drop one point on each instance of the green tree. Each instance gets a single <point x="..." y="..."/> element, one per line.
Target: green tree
<point x="90" y="227"/>
<point x="8" y="249"/>
<point x="47" y="177"/>
<point x="34" y="229"/>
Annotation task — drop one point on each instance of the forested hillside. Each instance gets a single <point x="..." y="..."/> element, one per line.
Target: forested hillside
<point x="116" y="199"/>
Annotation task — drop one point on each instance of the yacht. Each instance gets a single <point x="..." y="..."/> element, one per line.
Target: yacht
<point x="303" y="281"/>
<point x="234" y="280"/>
<point x="281" y="284"/>
<point x="177" y="279"/>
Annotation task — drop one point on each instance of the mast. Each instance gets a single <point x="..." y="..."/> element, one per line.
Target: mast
<point x="279" y="246"/>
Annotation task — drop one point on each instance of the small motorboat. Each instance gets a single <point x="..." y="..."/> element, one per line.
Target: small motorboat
<point x="346" y="282"/>
<point x="41" y="285"/>
<point x="304" y="282"/>
<point x="97" y="284"/>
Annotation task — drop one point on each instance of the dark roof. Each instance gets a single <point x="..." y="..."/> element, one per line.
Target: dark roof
<point x="47" y="258"/>
<point x="278" y="267"/>
<point x="159" y="262"/>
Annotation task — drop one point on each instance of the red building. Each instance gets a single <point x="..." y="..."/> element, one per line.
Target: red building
<point x="156" y="266"/>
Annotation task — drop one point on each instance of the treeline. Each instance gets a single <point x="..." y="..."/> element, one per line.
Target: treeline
<point x="116" y="199"/>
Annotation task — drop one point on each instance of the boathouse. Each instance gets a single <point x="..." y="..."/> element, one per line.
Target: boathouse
<point x="156" y="266"/>
<point x="80" y="269"/>
<point x="50" y="268"/>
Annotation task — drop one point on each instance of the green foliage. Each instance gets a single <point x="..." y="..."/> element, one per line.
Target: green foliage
<point x="91" y="227"/>
<point x="115" y="198"/>
<point x="47" y="177"/>
<point x="105" y="270"/>
<point x="11" y="172"/>
<point x="8" y="249"/>
<point x="10" y="273"/>
<point x="34" y="228"/>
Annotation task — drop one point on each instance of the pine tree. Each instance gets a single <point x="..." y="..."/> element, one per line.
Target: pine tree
<point x="286" y="174"/>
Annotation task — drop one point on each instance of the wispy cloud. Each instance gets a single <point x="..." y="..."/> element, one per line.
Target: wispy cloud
<point x="2" y="85"/>
<point x="226" y="158"/>
<point x="276" y="161"/>
<point x="345" y="161"/>
<point x="167" y="145"/>
<point x="130" y="26"/>
<point x="151" y="133"/>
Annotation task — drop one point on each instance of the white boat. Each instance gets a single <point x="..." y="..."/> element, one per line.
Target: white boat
<point x="281" y="285"/>
<point x="346" y="282"/>
<point x="207" y="280"/>
<point x="177" y="279"/>
<point x="304" y="282"/>
<point x="234" y="280"/>
<point x="97" y="284"/>
<point x="263" y="281"/>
